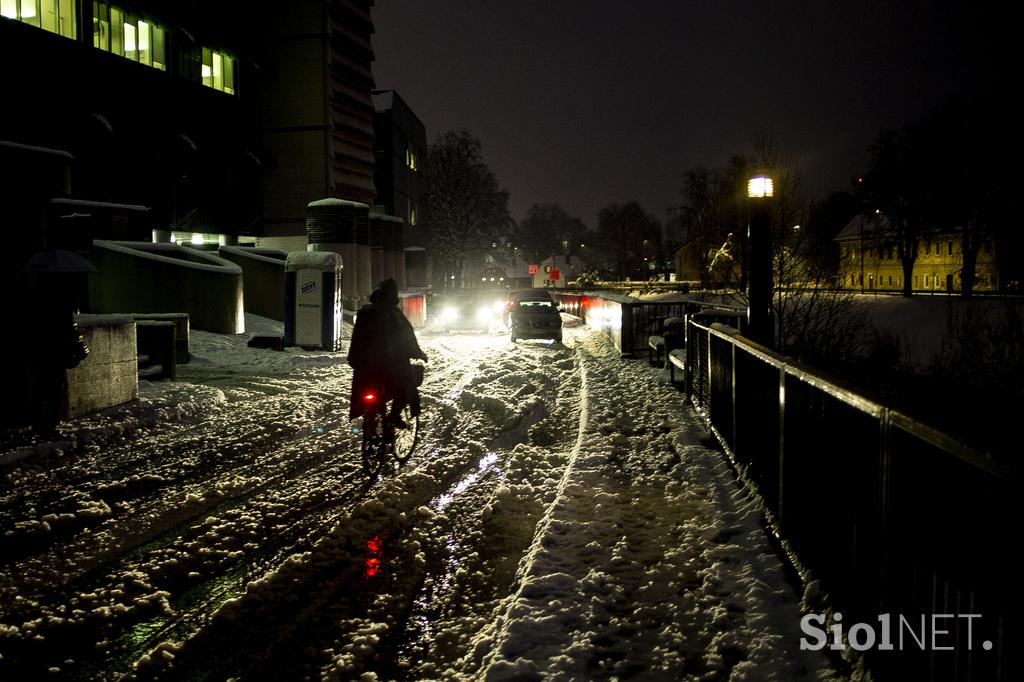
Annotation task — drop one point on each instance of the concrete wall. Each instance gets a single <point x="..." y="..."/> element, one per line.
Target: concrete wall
<point x="262" y="279"/>
<point x="140" y="277"/>
<point x="109" y="374"/>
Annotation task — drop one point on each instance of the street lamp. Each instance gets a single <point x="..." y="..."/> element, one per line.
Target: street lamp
<point x="760" y="326"/>
<point x="760" y="187"/>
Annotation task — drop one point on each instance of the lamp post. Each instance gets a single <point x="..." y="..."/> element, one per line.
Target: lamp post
<point x="760" y="326"/>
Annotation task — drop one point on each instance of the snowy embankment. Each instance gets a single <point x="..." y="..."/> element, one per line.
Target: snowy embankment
<point x="560" y="518"/>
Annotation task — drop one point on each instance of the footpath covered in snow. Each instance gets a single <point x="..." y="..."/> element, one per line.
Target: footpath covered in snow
<point x="566" y="516"/>
<point x="650" y="561"/>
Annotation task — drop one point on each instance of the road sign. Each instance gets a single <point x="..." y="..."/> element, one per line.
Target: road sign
<point x="533" y="268"/>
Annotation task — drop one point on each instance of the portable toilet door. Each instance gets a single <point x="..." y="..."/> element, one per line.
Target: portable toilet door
<point x="313" y="300"/>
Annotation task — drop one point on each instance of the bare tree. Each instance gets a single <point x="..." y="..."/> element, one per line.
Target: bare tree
<point x="629" y="240"/>
<point x="548" y="229"/>
<point x="465" y="209"/>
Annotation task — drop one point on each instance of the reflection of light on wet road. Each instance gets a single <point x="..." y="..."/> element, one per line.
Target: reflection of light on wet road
<point x="485" y="463"/>
<point x="448" y="556"/>
<point x="373" y="561"/>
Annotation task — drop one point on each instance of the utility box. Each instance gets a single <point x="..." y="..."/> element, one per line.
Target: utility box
<point x="312" y="300"/>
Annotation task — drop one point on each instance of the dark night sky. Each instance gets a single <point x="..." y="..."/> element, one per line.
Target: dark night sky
<point x="586" y="103"/>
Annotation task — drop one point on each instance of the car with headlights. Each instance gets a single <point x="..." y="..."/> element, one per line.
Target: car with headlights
<point x="467" y="311"/>
<point x="532" y="314"/>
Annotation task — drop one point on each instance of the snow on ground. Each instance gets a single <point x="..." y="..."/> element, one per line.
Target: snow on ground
<point x="563" y="518"/>
<point x="650" y="561"/>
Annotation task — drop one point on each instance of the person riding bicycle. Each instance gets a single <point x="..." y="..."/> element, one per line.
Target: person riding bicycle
<point x="382" y="344"/>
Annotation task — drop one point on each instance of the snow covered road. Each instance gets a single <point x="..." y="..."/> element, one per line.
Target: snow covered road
<point x="563" y="517"/>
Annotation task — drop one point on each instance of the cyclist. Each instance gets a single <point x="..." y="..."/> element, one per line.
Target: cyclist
<point x="382" y="344"/>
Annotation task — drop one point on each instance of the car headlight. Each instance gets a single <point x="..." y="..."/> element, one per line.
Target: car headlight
<point x="483" y="314"/>
<point x="499" y="306"/>
<point x="449" y="314"/>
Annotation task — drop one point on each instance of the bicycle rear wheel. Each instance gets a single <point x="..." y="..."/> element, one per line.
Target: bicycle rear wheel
<point x="374" y="444"/>
<point x="405" y="440"/>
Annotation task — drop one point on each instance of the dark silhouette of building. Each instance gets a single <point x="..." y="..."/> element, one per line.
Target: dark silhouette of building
<point x="317" y="78"/>
<point x="156" y="102"/>
<point x="221" y="118"/>
<point x="400" y="151"/>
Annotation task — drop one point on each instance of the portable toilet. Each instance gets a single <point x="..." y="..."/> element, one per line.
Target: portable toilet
<point x="312" y="299"/>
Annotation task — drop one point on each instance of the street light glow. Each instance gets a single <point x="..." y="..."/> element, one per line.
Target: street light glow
<point x="760" y="187"/>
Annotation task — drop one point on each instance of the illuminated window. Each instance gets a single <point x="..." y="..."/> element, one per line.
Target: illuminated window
<point x="101" y="26"/>
<point x="130" y="50"/>
<point x="117" y="31"/>
<point x="145" y="52"/>
<point x="129" y="36"/>
<point x="159" y="50"/>
<point x="55" y="16"/>
<point x="218" y="71"/>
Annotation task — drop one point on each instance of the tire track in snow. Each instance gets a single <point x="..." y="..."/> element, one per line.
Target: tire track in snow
<point x="498" y="631"/>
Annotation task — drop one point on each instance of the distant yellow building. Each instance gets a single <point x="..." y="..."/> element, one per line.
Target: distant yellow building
<point x="869" y="260"/>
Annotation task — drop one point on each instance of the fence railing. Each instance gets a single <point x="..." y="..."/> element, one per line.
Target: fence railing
<point x="892" y="516"/>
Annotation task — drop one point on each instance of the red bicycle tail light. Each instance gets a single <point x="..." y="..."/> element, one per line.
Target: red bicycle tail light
<point x="369" y="397"/>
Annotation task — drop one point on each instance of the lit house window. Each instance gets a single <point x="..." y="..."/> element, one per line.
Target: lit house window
<point x="55" y="16"/>
<point x="218" y="71"/>
<point x="128" y="36"/>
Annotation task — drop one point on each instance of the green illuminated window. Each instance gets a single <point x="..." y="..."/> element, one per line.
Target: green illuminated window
<point x="218" y="71"/>
<point x="101" y="26"/>
<point x="55" y="16"/>
<point x="128" y="36"/>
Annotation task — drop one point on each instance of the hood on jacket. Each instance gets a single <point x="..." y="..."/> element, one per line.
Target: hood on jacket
<point x="386" y="293"/>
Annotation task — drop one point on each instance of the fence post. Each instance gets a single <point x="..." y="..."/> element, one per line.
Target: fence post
<point x="782" y="442"/>
<point x="884" y="483"/>
<point x="732" y="380"/>
<point x="689" y="360"/>
<point x="626" y="332"/>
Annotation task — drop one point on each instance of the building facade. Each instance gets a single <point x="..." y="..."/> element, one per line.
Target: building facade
<point x="869" y="260"/>
<point x="400" y="152"/>
<point x="317" y="111"/>
<point x="157" y="104"/>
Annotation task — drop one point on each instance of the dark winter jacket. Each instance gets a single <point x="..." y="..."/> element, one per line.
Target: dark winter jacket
<point x="382" y="344"/>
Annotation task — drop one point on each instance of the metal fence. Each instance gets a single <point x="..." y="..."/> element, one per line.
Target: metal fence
<point x="892" y="516"/>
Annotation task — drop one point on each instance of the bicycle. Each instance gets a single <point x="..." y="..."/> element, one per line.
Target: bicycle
<point x="380" y="437"/>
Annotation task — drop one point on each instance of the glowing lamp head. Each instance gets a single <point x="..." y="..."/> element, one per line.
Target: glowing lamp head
<point x="760" y="187"/>
<point x="369" y="397"/>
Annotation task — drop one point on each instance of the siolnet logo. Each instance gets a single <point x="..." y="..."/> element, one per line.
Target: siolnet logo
<point x="934" y="632"/>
